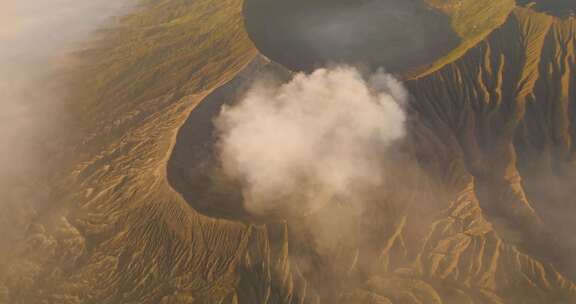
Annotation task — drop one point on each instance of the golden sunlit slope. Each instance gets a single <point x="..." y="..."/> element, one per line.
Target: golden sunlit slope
<point x="119" y="231"/>
<point x="116" y="232"/>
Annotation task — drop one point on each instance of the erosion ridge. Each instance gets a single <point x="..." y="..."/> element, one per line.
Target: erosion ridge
<point x="497" y="109"/>
<point x="124" y="231"/>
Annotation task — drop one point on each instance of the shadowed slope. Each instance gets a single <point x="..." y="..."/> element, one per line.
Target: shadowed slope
<point x="508" y="103"/>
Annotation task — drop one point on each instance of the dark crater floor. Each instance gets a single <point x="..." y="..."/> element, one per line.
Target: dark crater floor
<point x="398" y="35"/>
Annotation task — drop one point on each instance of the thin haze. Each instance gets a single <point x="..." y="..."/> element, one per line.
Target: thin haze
<point x="36" y="36"/>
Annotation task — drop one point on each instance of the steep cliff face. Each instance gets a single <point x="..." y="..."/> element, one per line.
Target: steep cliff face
<point x="140" y="218"/>
<point x="508" y="104"/>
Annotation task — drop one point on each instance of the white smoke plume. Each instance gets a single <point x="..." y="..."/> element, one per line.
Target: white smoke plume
<point x="320" y="138"/>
